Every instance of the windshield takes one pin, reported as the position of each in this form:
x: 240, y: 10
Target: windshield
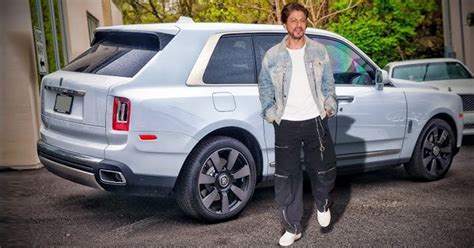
x: 431, y: 72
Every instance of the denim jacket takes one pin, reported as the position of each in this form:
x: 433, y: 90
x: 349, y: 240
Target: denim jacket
x: 275, y: 76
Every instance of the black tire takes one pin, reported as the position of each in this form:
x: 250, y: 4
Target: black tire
x: 210, y: 188
x: 434, y: 152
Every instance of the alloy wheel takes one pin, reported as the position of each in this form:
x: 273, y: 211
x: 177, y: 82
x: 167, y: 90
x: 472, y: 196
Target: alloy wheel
x: 224, y: 181
x: 437, y: 151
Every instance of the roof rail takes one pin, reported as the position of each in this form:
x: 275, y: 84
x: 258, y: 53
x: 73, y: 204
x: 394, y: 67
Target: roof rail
x: 185, y: 19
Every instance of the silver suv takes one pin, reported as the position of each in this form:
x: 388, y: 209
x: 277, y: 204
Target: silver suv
x: 162, y: 108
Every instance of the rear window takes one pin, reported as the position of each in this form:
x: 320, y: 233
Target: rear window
x: 120, y: 54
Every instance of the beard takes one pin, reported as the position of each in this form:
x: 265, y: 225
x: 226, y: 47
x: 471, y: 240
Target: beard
x: 296, y: 33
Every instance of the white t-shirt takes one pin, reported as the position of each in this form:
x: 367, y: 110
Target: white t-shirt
x: 300, y: 105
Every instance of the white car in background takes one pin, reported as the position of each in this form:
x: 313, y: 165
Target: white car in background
x: 446, y: 74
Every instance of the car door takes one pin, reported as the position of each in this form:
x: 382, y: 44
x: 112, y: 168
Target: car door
x: 370, y: 123
x: 263, y: 42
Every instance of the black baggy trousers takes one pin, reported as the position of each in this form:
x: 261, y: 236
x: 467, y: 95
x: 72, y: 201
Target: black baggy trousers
x: 320, y: 165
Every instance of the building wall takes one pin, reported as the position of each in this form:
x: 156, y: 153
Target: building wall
x: 19, y: 98
x: 76, y: 24
x: 461, y: 35
x: 468, y: 7
x: 19, y: 89
x: 117, y: 18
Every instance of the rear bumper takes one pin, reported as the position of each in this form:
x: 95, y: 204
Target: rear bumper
x: 93, y: 172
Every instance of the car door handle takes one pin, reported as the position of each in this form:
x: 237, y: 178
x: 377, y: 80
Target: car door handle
x: 345, y: 98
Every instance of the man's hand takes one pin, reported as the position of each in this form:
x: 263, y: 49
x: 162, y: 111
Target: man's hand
x: 330, y: 112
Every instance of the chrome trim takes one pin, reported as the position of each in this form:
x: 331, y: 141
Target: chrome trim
x: 75, y: 175
x: 65, y: 90
x: 468, y: 131
x: 197, y: 73
x: 368, y: 154
x: 358, y: 155
x: 122, y: 178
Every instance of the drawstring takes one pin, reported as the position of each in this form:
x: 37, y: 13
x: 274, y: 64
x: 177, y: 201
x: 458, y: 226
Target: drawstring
x: 283, y: 84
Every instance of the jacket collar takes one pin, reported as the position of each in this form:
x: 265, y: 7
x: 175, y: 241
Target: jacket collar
x: 310, y: 49
x: 282, y: 45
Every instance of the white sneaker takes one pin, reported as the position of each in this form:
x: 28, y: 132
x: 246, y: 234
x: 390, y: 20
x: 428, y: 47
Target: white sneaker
x: 324, y: 218
x: 289, y: 238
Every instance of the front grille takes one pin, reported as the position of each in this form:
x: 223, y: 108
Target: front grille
x: 469, y: 126
x: 467, y: 102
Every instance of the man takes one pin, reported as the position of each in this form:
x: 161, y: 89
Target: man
x: 296, y: 87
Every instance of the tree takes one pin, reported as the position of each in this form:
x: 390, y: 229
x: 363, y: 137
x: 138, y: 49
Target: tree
x: 388, y: 30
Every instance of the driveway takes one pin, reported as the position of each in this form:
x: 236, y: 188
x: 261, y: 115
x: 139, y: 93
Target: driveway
x: 381, y: 208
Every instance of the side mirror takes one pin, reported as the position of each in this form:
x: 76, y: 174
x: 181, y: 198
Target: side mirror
x: 381, y: 78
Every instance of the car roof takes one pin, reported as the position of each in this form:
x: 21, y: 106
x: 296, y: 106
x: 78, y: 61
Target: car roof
x: 174, y: 28
x: 421, y: 61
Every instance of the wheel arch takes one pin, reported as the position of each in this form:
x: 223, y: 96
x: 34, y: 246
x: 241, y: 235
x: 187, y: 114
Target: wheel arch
x: 241, y: 135
x: 448, y: 119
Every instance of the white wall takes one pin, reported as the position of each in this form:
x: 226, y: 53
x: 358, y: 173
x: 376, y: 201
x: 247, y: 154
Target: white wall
x: 76, y: 23
x: 117, y: 18
x: 19, y: 91
x: 461, y: 32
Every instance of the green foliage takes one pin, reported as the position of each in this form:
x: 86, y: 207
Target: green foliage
x: 386, y: 30
x: 48, y: 31
x: 389, y: 30
x: 217, y: 11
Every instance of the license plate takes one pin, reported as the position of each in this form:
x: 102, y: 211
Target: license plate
x: 63, y: 104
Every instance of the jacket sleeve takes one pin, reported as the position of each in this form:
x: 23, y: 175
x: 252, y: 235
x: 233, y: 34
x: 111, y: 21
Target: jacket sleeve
x: 330, y: 102
x: 266, y: 92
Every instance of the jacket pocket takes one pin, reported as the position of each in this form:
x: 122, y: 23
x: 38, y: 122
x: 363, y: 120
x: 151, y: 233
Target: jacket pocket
x: 317, y: 69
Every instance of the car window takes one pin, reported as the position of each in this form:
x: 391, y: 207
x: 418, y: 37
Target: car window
x: 436, y: 71
x: 410, y: 72
x: 232, y: 62
x: 262, y: 43
x: 118, y: 53
x: 347, y: 65
x: 431, y: 72
x: 457, y: 71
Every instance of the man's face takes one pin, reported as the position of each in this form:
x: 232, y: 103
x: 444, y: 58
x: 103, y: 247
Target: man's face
x: 296, y: 24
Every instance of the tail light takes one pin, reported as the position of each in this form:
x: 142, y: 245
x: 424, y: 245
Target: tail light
x: 121, y: 114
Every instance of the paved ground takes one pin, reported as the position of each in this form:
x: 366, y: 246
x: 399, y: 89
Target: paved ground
x: 377, y: 209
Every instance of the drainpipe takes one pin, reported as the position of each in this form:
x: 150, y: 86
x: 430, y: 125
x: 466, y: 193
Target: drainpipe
x: 448, y: 38
x: 462, y: 32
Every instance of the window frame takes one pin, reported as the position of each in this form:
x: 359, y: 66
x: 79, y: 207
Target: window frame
x: 195, y: 77
x: 92, y: 21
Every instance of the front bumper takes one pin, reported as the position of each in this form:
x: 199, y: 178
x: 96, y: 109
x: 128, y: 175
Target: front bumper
x: 468, y: 123
x: 93, y: 172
